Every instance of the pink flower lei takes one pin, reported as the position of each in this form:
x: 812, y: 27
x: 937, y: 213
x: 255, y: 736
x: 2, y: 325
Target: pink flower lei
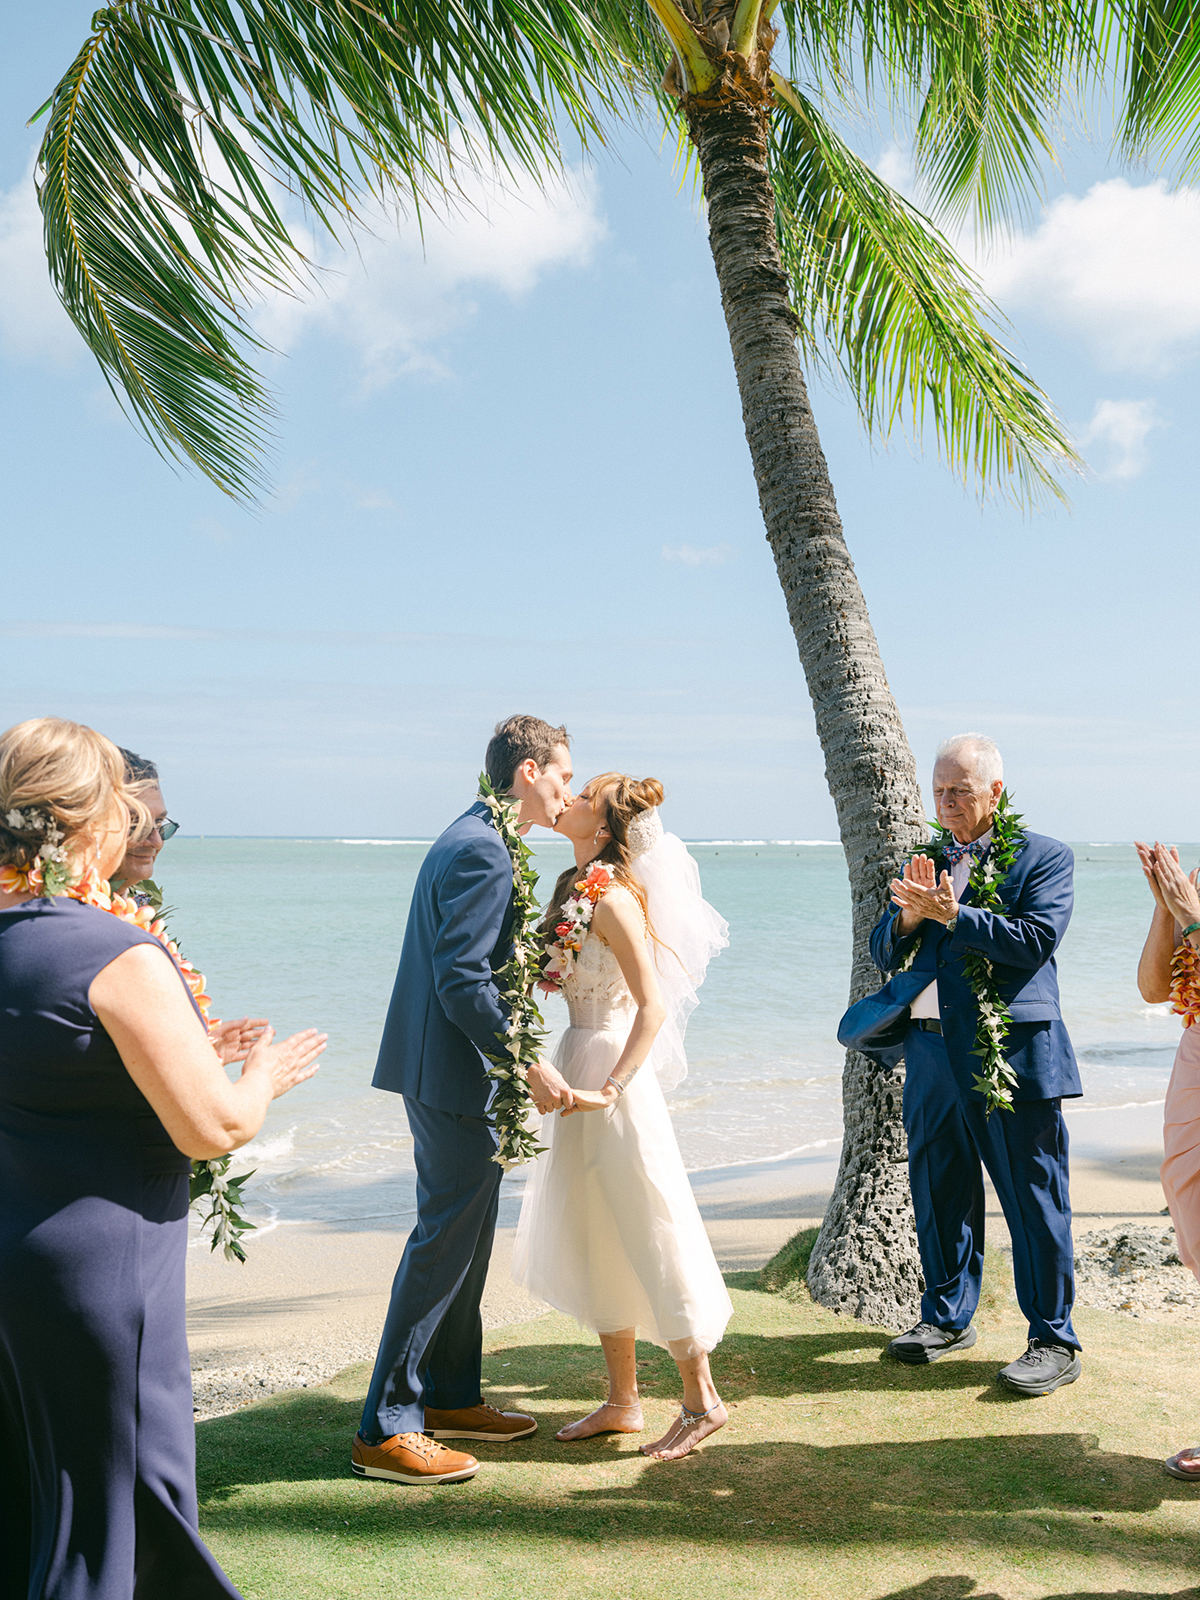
x: 573, y: 923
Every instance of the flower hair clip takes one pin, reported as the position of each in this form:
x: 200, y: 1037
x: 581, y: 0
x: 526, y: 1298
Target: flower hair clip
x: 34, y: 820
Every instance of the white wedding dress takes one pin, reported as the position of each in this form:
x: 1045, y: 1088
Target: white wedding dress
x: 609, y: 1230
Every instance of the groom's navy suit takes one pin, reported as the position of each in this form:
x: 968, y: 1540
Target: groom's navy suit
x: 1024, y: 1150
x: 445, y: 1013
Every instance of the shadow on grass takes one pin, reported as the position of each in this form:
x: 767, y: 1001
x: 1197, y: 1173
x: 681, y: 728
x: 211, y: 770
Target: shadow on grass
x: 835, y: 1360
x: 304, y: 1438
x: 1022, y: 1494
x: 961, y: 1587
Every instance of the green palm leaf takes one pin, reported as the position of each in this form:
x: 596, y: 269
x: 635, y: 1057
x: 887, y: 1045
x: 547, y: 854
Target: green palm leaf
x: 1160, y: 69
x: 180, y: 126
x: 881, y: 295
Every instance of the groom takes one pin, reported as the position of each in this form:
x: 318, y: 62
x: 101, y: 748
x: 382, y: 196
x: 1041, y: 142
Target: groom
x: 949, y: 1133
x: 444, y: 1016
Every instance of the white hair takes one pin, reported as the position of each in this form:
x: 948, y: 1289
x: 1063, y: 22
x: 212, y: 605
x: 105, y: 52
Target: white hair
x: 979, y: 754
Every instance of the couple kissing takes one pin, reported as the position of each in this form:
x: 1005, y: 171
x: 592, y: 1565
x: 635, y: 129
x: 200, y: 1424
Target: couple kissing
x: 609, y: 1232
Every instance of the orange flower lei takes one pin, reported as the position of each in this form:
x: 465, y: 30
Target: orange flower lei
x: 92, y: 890
x: 574, y: 920
x: 1185, y: 983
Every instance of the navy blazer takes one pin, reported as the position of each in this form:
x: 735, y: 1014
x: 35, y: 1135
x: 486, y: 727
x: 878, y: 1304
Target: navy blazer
x: 446, y: 1009
x: 1037, y: 895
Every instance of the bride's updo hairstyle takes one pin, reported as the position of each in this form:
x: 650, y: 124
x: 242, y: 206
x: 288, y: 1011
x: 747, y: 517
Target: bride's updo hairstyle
x: 619, y: 800
x: 60, y: 774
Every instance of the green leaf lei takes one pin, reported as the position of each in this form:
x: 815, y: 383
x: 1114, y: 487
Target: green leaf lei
x: 996, y: 1078
x: 521, y: 1045
x: 210, y: 1180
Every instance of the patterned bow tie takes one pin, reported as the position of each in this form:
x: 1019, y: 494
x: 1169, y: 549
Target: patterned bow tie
x: 952, y: 854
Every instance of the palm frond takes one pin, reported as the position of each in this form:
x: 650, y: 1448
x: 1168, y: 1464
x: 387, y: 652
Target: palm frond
x: 883, y: 298
x: 981, y: 79
x: 181, y: 125
x: 1157, y: 47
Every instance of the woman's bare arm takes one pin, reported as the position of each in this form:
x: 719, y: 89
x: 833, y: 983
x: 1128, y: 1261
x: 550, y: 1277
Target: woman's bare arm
x: 1154, y: 964
x: 619, y: 922
x: 145, y: 1009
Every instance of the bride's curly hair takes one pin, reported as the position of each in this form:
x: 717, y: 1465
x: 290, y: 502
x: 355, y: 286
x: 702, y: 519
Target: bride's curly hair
x: 623, y: 799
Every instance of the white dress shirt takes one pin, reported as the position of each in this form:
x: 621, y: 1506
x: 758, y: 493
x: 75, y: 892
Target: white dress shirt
x: 926, y: 1003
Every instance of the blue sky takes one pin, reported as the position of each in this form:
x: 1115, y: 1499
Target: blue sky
x: 511, y: 474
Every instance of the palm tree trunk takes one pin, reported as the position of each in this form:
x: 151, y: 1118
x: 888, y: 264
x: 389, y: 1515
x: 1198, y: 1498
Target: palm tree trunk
x: 865, y: 1262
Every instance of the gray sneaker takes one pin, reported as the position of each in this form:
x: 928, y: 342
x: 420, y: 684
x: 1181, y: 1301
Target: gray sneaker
x: 926, y: 1343
x: 1042, y: 1369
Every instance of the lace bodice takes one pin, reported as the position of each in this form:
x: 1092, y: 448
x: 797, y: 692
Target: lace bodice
x: 596, y: 993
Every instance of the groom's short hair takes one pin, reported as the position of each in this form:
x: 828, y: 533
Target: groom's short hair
x: 518, y: 739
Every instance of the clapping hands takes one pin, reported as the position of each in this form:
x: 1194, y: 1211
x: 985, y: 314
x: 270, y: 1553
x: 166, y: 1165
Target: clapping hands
x: 1174, y: 890
x: 233, y: 1041
x: 919, y: 894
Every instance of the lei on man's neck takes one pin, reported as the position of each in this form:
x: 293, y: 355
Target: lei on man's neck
x: 52, y: 875
x: 520, y: 1045
x: 995, y: 1079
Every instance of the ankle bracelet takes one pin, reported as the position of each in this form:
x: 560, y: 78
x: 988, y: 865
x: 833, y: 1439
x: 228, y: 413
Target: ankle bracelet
x: 697, y: 1416
x: 629, y: 1405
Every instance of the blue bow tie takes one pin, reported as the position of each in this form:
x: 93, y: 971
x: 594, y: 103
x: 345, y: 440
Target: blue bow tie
x: 952, y: 854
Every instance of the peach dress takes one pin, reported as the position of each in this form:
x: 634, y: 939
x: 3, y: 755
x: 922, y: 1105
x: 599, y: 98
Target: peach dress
x: 1181, y: 1116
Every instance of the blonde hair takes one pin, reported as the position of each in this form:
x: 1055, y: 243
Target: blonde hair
x: 61, y: 773
x: 623, y: 799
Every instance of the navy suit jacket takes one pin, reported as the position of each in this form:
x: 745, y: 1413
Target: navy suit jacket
x: 446, y: 1009
x: 1037, y: 895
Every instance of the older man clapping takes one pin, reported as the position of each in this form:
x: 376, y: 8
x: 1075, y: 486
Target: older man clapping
x: 946, y: 1117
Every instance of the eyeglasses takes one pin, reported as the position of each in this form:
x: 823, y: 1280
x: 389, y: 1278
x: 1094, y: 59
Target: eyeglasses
x: 166, y: 829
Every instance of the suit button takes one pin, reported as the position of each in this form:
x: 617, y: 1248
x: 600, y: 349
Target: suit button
x: 941, y: 963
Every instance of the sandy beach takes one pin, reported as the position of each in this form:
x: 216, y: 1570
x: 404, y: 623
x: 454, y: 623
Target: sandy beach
x: 312, y: 1297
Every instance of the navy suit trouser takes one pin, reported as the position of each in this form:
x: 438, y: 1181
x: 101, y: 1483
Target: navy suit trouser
x: 1025, y: 1153
x: 431, y: 1351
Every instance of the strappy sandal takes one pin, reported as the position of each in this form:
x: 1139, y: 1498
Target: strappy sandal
x: 1171, y: 1464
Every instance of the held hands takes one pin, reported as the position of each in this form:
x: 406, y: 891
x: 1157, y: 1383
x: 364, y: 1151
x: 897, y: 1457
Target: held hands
x: 1174, y: 890
x: 286, y: 1064
x: 550, y: 1090
x: 919, y: 895
x: 593, y: 1099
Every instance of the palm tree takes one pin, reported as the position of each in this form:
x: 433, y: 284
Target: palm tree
x: 173, y: 131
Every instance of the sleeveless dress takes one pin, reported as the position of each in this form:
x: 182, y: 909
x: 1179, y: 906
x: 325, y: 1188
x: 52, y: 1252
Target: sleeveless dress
x: 97, y: 1442
x: 609, y: 1231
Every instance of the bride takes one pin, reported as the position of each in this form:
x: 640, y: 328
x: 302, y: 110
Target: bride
x: 609, y: 1230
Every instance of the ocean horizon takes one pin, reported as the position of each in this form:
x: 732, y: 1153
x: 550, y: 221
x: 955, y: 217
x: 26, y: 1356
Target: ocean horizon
x: 307, y: 931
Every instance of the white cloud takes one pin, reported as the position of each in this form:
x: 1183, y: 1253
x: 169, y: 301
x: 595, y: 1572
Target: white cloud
x: 1120, y: 428
x: 894, y: 166
x: 689, y: 556
x: 33, y: 325
x: 403, y: 289
x: 1120, y: 267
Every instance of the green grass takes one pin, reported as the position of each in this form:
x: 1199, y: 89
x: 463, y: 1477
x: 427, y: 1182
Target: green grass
x: 840, y: 1474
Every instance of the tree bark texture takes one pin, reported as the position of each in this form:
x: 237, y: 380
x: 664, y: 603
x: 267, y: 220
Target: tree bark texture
x: 865, y: 1261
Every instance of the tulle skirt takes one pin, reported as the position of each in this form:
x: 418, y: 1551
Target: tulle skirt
x: 1181, y: 1148
x: 609, y: 1230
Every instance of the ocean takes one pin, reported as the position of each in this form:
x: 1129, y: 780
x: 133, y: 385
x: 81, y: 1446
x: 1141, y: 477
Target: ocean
x: 307, y: 932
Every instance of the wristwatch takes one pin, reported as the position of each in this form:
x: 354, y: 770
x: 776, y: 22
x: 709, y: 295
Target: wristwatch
x: 952, y: 924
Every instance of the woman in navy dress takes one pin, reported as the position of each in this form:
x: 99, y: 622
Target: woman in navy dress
x: 108, y: 1085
